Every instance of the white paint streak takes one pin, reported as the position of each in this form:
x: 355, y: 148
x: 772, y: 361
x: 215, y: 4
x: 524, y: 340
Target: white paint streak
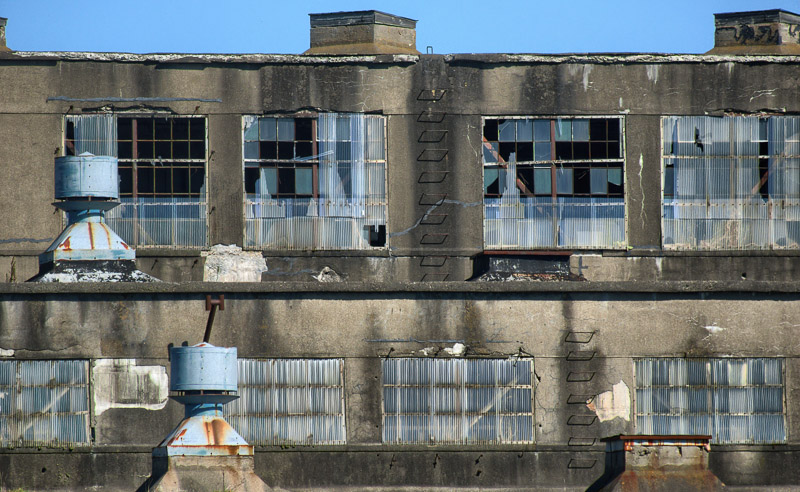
x: 652, y: 73
x: 612, y: 404
x: 120, y: 383
x: 714, y: 328
x: 642, y: 211
x: 587, y: 69
x: 6, y: 352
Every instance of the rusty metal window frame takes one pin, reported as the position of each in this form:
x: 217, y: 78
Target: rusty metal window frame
x: 153, y: 216
x: 554, y: 182
x: 45, y: 403
x: 730, y: 182
x: 289, y: 402
x: 463, y: 401
x: 735, y: 400
x: 280, y: 215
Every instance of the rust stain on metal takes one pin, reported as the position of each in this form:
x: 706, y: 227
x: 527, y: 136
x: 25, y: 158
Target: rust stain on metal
x: 108, y: 235
x: 91, y: 235
x: 177, y: 437
x: 65, y: 245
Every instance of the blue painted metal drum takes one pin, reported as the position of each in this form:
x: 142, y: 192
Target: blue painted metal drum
x: 203, y: 367
x: 86, y: 176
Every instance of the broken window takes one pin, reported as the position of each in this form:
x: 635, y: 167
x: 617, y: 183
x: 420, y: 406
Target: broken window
x: 162, y: 173
x: 315, y: 182
x: 457, y: 401
x: 44, y: 403
x: 553, y: 183
x: 731, y: 182
x: 289, y: 401
x: 736, y: 401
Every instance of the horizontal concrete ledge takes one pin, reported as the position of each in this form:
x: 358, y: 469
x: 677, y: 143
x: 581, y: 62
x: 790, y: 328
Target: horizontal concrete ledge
x: 667, y: 287
x: 657, y: 253
x: 207, y: 58
x: 485, y: 58
x: 403, y: 448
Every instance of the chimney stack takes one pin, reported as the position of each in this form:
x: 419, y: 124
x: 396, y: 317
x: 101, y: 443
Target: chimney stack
x: 3, y: 22
x: 365, y: 32
x: 762, y: 32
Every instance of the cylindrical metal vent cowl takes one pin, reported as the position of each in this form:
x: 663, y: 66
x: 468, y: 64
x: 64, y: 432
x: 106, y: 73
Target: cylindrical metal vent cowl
x: 203, y: 367
x: 86, y: 176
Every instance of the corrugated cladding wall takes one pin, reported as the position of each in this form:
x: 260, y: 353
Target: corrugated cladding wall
x: 289, y: 401
x: 44, y: 403
x: 457, y: 401
x: 736, y: 401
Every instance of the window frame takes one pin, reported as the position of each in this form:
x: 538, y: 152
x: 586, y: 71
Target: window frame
x: 17, y: 388
x: 272, y: 390
x: 736, y: 160
x: 314, y: 163
x: 556, y: 165
x: 711, y: 388
x: 136, y: 199
x: 463, y: 412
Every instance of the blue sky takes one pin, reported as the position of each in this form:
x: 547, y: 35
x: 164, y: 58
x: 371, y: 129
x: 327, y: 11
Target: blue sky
x: 468, y: 26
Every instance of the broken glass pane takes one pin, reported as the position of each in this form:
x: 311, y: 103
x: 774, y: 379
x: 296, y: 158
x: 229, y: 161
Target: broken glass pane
x: 507, y: 130
x: 525, y: 130
x: 563, y: 130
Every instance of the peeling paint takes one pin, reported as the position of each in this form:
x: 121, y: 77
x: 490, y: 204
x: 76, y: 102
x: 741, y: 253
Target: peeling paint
x: 231, y: 264
x: 457, y: 350
x: 120, y: 383
x: 612, y: 404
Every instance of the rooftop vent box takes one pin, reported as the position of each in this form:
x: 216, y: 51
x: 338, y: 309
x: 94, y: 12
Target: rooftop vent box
x: 761, y: 32
x: 364, y: 32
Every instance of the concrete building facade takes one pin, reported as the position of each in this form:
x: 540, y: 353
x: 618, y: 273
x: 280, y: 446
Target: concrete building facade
x: 398, y: 217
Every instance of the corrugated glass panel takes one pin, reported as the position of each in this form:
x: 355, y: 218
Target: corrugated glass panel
x: 289, y: 401
x: 44, y: 403
x: 733, y: 400
x: 731, y: 182
x: 457, y: 401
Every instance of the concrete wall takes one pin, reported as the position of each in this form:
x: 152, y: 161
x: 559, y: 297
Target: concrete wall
x: 434, y: 105
x: 125, y: 331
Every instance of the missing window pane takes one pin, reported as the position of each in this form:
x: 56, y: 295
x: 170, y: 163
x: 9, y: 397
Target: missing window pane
x: 490, y: 132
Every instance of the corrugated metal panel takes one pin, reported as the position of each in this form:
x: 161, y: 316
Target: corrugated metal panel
x: 44, y: 403
x: 457, y: 401
x: 176, y: 222
x: 352, y: 191
x: 737, y: 401
x: 289, y: 401
x: 715, y: 172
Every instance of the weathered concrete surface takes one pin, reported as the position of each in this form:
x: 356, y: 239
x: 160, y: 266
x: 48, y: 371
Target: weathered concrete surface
x: 433, y: 104
x: 204, y: 473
